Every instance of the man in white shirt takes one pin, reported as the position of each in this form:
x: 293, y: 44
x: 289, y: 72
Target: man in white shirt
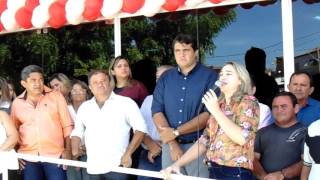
x: 311, y: 156
x: 105, y: 122
x: 150, y: 158
x: 265, y: 112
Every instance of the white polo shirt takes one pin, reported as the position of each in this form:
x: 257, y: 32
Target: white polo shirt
x: 73, y: 115
x: 265, y: 116
x: 8, y: 160
x: 107, y: 130
x: 313, y: 130
x: 145, y: 110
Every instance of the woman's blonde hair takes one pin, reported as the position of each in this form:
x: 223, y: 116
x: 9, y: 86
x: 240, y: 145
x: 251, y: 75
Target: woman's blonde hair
x: 62, y: 78
x: 4, y: 90
x: 113, y: 63
x: 65, y: 81
x: 245, y: 85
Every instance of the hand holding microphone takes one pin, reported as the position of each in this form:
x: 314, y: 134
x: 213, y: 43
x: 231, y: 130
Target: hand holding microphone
x: 216, y: 86
x: 210, y: 99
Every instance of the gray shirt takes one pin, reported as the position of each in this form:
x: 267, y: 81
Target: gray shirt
x: 280, y: 147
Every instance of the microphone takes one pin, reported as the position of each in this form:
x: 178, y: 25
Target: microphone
x: 215, y: 87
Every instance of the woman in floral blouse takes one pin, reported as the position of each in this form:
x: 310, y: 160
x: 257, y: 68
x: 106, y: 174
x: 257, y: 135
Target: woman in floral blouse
x: 229, y: 136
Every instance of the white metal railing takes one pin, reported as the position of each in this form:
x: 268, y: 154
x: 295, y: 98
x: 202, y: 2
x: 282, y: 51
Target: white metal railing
x: 132, y: 171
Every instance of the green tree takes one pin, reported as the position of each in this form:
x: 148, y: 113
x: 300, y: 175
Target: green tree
x: 153, y: 37
x: 74, y: 50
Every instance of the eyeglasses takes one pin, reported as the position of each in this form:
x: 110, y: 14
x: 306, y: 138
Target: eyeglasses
x: 78, y: 92
x: 55, y: 85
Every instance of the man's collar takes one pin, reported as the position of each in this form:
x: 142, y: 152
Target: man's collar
x: 191, y: 71
x: 311, y: 101
x: 111, y: 97
x: 24, y: 94
x: 307, y: 102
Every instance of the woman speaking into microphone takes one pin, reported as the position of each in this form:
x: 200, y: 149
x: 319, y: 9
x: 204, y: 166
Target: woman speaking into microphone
x: 228, y: 139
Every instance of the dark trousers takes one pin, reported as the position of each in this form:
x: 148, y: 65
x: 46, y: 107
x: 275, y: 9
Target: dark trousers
x: 109, y: 176
x: 145, y: 164
x: 135, y: 157
x: 229, y: 173
x: 15, y: 175
x: 42, y: 171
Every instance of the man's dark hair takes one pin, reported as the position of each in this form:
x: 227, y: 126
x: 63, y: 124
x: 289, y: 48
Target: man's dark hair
x: 253, y: 80
x: 185, y: 39
x: 255, y: 60
x: 26, y: 71
x: 97, y: 71
x: 292, y: 97
x: 302, y: 73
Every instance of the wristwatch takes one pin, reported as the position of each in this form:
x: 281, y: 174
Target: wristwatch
x: 176, y: 132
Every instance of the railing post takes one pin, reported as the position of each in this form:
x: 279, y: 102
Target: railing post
x: 117, y: 37
x: 287, y: 36
x: 5, y: 175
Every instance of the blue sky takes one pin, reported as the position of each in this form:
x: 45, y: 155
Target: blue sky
x: 261, y: 27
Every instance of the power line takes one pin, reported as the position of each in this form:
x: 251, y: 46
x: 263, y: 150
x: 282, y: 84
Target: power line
x: 266, y: 47
x: 296, y: 39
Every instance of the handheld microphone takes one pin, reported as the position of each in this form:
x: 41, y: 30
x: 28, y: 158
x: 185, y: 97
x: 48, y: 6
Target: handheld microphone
x: 216, y: 85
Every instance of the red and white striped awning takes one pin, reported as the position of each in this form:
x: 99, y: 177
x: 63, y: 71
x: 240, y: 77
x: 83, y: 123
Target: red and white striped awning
x: 19, y: 15
x: 16, y: 15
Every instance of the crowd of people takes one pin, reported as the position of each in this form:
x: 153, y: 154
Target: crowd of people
x: 232, y: 124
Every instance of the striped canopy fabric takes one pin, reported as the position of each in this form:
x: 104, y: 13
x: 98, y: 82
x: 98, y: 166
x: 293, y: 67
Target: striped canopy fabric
x: 16, y: 15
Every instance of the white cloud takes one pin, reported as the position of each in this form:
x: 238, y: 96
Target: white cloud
x: 317, y: 18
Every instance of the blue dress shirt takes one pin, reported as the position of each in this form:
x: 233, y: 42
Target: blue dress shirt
x: 178, y: 96
x: 310, y: 112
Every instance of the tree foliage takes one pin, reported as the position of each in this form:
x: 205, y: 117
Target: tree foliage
x: 74, y: 50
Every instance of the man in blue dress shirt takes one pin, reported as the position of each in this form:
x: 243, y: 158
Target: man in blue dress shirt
x: 176, y: 100
x: 301, y: 85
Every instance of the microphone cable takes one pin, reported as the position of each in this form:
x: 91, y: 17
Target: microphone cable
x: 200, y: 106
